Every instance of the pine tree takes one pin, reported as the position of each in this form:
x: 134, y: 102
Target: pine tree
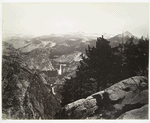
x: 93, y: 74
x: 142, y: 59
x: 136, y: 57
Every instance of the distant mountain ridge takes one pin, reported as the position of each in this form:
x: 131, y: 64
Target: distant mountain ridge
x: 124, y: 34
x: 23, y: 42
x: 122, y: 38
x: 40, y: 52
x: 37, y: 44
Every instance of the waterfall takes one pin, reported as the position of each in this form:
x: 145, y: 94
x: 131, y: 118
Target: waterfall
x: 60, y: 70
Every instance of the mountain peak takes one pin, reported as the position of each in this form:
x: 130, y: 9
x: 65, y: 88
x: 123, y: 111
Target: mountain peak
x: 124, y: 34
x: 127, y: 33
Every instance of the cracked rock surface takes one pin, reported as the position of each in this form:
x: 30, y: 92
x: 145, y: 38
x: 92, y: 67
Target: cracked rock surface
x: 127, y: 99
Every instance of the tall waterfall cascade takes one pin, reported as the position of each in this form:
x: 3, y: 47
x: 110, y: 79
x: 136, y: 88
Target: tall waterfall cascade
x: 60, y: 69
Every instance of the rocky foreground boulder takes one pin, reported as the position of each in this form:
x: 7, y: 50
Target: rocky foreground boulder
x: 127, y: 99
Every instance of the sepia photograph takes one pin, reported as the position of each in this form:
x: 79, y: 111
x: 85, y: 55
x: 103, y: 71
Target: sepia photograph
x: 75, y: 60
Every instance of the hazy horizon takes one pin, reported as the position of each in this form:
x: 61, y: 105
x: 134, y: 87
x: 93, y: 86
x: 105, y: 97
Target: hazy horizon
x: 47, y: 18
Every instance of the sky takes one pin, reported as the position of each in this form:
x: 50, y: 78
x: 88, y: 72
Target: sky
x: 47, y: 18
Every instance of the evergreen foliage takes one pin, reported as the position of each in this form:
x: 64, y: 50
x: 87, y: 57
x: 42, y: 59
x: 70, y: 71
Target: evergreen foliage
x: 103, y: 66
x: 136, y: 57
x: 93, y: 74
